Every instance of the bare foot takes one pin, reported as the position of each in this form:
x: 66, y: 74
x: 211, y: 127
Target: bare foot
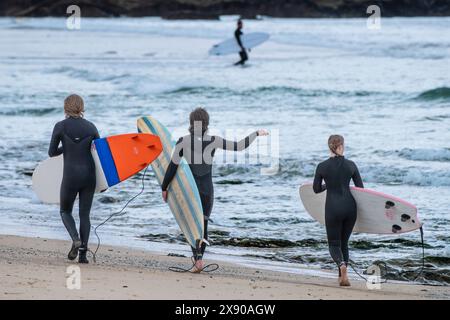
x: 198, y: 267
x: 343, y: 279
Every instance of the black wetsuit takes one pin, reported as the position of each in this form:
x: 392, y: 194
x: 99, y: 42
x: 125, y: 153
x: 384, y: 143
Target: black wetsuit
x: 243, y: 52
x: 192, y: 148
x: 76, y: 136
x: 340, y: 206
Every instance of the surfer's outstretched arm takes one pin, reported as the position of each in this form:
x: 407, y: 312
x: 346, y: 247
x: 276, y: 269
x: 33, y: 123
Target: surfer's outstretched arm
x: 173, y: 165
x: 356, y: 177
x: 54, y: 149
x: 317, y: 184
x: 241, y: 144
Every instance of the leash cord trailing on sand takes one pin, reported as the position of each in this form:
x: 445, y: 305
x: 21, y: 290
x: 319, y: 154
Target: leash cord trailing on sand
x: 361, y: 276
x: 211, y: 266
x: 418, y: 274
x: 117, y: 214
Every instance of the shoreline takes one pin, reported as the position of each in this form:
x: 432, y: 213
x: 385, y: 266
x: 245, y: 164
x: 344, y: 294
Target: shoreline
x: 36, y: 268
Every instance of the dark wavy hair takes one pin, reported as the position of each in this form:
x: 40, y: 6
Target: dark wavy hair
x: 199, y: 115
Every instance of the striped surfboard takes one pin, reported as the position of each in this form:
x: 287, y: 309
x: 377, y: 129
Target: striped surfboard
x: 183, y: 196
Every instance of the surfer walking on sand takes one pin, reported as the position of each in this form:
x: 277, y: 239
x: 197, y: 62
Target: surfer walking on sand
x: 340, y: 206
x: 243, y: 53
x: 76, y: 135
x: 198, y: 148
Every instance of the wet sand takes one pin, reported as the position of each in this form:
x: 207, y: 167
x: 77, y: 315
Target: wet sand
x: 36, y: 268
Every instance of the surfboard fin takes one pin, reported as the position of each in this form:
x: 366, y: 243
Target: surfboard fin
x: 199, y: 242
x: 205, y: 241
x: 389, y: 204
x: 405, y: 217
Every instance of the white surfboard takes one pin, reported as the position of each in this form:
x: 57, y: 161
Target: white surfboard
x: 48, y: 175
x: 249, y: 41
x: 377, y: 212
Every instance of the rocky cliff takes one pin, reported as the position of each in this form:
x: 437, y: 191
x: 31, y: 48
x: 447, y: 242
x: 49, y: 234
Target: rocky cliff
x: 212, y: 9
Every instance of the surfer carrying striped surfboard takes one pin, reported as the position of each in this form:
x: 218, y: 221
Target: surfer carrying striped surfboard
x: 192, y: 148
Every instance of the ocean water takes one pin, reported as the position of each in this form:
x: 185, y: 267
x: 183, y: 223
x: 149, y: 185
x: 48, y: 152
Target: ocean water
x: 387, y: 91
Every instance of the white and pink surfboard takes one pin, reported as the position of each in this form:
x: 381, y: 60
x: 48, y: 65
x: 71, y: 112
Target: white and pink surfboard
x: 377, y: 212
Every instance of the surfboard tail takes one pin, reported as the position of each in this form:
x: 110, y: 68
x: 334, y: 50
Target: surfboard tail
x: 122, y: 156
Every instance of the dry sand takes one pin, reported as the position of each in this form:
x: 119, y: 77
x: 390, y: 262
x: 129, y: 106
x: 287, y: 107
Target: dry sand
x: 36, y: 268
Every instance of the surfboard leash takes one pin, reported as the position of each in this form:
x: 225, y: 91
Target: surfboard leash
x: 117, y: 214
x: 211, y: 267
x: 351, y: 263
x: 422, y: 268
x: 423, y: 254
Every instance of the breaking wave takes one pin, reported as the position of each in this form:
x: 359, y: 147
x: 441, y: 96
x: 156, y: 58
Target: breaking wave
x: 425, y: 154
x: 442, y: 93
x: 29, y: 112
x: 202, y: 90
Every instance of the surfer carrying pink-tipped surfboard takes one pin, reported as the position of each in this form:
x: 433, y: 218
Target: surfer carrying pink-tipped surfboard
x: 344, y: 209
x: 340, y: 207
x: 192, y: 148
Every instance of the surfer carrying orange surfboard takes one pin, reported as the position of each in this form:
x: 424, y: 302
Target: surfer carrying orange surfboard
x: 88, y: 165
x: 76, y: 135
x: 192, y: 148
x: 340, y: 206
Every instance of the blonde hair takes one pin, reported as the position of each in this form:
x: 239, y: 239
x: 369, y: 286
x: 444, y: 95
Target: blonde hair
x: 334, y: 142
x: 74, y: 106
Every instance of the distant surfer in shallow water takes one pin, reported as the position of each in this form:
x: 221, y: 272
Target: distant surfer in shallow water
x: 340, y: 206
x: 76, y: 135
x: 198, y: 148
x: 237, y: 34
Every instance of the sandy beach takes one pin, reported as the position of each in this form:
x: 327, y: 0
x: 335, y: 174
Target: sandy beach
x: 37, y: 268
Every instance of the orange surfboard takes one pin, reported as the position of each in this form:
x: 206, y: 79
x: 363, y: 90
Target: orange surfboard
x: 124, y: 155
